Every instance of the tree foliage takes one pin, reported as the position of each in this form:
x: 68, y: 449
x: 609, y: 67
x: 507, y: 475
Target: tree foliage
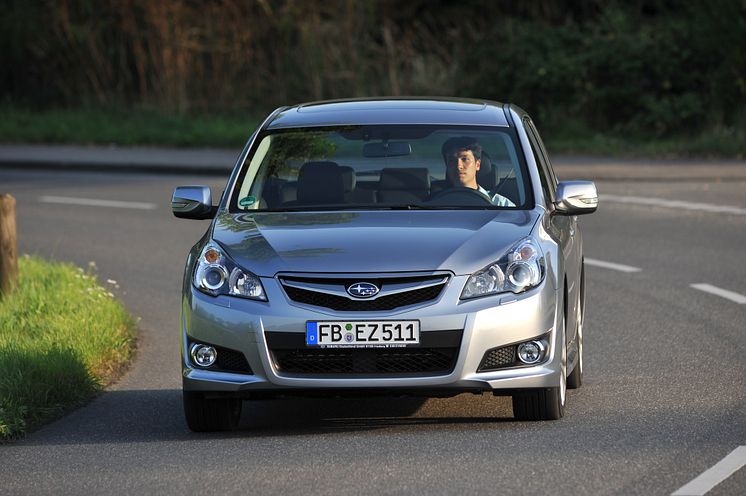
x: 660, y: 66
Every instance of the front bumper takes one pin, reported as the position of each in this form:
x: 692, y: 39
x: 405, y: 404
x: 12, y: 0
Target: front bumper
x: 487, y: 323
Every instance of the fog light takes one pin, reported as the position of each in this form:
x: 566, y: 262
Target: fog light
x: 203, y: 355
x: 531, y: 352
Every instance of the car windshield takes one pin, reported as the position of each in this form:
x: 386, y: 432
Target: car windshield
x: 383, y: 167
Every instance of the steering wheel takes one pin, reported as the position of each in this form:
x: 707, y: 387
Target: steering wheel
x: 460, y: 196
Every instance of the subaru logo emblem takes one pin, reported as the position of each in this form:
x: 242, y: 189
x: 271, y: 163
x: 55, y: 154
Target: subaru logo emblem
x: 363, y: 290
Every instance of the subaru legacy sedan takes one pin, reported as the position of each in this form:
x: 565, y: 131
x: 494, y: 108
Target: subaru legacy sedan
x: 385, y: 247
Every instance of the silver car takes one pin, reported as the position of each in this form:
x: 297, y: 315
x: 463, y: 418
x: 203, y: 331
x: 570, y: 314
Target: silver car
x: 392, y: 246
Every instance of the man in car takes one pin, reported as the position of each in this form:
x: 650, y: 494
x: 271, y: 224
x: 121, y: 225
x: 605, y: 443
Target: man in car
x: 463, y: 158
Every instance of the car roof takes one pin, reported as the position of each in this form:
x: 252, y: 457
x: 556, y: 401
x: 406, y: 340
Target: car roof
x: 372, y: 111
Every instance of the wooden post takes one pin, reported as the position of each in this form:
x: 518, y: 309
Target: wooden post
x: 8, y: 245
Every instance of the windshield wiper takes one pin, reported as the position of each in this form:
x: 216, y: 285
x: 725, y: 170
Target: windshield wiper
x: 409, y: 206
x: 317, y: 208
x: 419, y: 206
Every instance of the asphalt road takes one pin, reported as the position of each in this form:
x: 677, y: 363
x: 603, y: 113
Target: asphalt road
x: 663, y: 399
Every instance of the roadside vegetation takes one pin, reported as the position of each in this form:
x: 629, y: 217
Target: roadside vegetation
x: 85, y: 126
x: 607, y: 76
x: 157, y: 128
x: 63, y: 337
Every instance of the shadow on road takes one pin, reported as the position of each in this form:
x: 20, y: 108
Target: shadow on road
x: 156, y: 415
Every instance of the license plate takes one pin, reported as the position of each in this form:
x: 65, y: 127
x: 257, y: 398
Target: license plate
x: 363, y: 334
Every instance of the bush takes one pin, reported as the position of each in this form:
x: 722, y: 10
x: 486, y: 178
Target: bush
x: 645, y: 69
x: 637, y: 72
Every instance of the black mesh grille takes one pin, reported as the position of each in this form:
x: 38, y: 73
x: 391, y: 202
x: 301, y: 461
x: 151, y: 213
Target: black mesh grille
x: 498, y: 358
x: 232, y: 361
x: 365, y: 361
x: 345, y: 304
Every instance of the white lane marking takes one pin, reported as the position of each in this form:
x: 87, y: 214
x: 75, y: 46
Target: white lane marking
x: 714, y: 475
x: 723, y: 293
x: 90, y: 202
x: 612, y: 266
x: 686, y: 205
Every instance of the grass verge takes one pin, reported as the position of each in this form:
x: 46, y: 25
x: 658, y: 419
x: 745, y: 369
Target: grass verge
x: 63, y: 337
x: 715, y: 143
x: 123, y: 127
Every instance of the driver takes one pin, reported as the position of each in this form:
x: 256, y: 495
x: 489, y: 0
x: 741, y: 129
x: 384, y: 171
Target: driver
x: 463, y: 157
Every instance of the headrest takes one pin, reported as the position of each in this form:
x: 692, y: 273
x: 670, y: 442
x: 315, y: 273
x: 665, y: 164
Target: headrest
x: 320, y: 182
x: 487, y: 173
x: 411, y: 179
x: 349, y: 180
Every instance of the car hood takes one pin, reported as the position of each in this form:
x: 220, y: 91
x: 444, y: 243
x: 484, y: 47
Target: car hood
x: 461, y: 241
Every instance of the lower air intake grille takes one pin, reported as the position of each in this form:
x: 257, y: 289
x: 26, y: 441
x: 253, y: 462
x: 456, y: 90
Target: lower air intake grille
x: 498, y: 358
x: 366, y: 361
x: 436, y: 355
x: 232, y: 361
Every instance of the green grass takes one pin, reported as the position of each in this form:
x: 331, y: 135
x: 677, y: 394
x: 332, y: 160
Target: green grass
x: 140, y: 126
x: 123, y: 127
x: 572, y: 136
x: 62, y: 338
x: 717, y: 143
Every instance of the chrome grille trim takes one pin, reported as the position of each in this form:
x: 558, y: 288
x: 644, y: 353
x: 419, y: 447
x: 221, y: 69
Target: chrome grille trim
x: 413, y: 288
x: 341, y: 289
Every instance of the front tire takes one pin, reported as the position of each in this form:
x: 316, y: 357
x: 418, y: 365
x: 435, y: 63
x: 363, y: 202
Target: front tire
x: 549, y: 403
x: 207, y: 415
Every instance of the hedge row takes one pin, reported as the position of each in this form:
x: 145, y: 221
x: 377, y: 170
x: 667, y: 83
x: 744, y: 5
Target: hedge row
x: 666, y: 67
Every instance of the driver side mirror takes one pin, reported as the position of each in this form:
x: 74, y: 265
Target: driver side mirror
x: 193, y: 202
x: 576, y: 198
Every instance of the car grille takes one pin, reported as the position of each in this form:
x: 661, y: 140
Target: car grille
x: 232, y: 361
x: 498, y: 358
x: 391, y: 361
x: 437, y: 356
x: 431, y: 289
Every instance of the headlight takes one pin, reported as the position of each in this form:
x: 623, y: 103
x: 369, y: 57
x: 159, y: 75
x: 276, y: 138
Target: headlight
x: 216, y: 274
x: 520, y: 269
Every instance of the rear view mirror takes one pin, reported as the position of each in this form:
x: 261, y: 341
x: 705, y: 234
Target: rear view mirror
x: 576, y: 198
x: 387, y: 149
x: 193, y: 202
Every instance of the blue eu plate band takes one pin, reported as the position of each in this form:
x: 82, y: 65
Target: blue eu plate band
x: 312, y: 333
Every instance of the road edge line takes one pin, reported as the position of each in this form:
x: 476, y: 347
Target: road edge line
x: 715, y: 474
x: 723, y: 293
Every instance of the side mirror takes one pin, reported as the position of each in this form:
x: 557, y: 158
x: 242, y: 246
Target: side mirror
x: 193, y: 202
x: 576, y: 198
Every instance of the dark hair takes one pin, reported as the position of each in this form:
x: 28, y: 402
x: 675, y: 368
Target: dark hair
x: 461, y: 143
